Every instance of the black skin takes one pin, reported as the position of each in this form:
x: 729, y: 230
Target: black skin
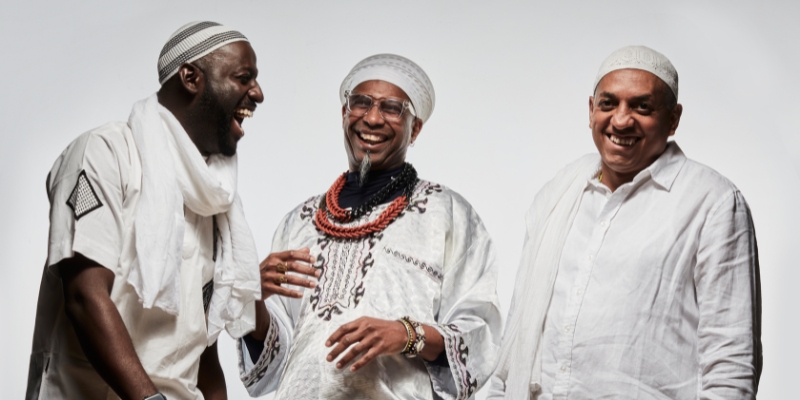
x: 366, y: 337
x: 202, y: 96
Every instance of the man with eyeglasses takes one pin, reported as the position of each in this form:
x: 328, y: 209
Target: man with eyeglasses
x: 639, y: 276
x: 404, y: 302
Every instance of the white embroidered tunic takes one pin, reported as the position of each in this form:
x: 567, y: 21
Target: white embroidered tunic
x: 657, y: 293
x: 434, y: 263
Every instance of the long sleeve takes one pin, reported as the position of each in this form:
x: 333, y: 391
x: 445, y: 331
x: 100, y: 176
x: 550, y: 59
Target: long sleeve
x: 468, y: 317
x: 729, y: 301
x: 263, y: 376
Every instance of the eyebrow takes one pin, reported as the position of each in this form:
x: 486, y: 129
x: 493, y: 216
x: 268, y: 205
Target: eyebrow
x: 641, y: 98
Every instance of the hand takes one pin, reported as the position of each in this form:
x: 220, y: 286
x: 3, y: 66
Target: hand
x: 371, y: 336
x: 293, y: 261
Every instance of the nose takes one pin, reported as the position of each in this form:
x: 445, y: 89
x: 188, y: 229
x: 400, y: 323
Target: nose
x: 622, y: 119
x: 373, y: 116
x: 255, y: 93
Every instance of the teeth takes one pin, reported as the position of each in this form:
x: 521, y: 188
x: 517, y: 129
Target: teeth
x: 371, y: 138
x: 621, y: 141
x: 244, y: 113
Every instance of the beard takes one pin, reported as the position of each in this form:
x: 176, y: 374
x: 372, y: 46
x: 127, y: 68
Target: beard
x: 363, y: 170
x: 212, y: 113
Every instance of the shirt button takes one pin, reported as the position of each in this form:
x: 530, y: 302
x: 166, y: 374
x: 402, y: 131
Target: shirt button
x: 589, y: 257
x: 564, y: 368
x: 603, y: 224
x: 578, y: 292
x: 568, y: 329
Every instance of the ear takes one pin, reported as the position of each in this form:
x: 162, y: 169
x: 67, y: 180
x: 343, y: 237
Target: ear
x: 192, y: 78
x: 591, y: 111
x: 416, y: 129
x: 675, y: 119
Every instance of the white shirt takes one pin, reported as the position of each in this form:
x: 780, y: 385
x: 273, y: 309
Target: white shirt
x: 435, y: 263
x: 656, y: 295
x: 104, y: 165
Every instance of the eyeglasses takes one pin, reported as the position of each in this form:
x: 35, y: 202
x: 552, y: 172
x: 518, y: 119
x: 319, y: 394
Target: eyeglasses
x: 391, y: 109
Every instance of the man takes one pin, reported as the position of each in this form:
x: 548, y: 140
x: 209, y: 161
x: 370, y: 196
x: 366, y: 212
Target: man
x: 404, y: 303
x: 639, y: 277
x: 149, y: 256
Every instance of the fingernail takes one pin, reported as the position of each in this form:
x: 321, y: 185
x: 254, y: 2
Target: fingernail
x: 328, y: 343
x: 329, y: 358
x: 317, y: 274
x: 339, y: 365
x: 352, y: 369
x: 313, y: 285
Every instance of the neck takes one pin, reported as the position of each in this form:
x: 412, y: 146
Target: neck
x: 180, y: 110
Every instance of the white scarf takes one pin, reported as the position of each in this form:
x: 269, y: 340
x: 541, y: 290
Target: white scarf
x: 207, y: 188
x: 548, y: 222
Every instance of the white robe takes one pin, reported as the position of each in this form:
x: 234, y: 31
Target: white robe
x: 434, y: 263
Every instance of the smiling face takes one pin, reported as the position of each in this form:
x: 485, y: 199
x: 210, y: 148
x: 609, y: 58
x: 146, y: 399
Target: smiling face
x: 631, y: 120
x: 228, y: 96
x: 387, y: 141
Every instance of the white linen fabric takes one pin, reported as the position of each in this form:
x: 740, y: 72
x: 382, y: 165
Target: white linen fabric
x: 435, y: 263
x: 398, y: 71
x: 168, y: 346
x: 207, y: 188
x: 191, y: 42
x: 657, y: 293
x: 643, y: 58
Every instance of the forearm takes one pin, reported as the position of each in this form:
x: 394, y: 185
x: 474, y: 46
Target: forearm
x: 108, y: 347
x: 210, y: 378
x: 262, y: 321
x: 434, y: 344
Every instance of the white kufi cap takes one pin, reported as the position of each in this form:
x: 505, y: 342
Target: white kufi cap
x: 643, y: 58
x: 398, y: 71
x: 192, y: 42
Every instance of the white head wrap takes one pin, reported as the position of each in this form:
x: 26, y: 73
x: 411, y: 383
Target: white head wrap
x: 398, y: 71
x: 643, y: 58
x: 191, y: 42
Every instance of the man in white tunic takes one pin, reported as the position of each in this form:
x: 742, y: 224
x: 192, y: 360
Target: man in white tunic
x: 149, y: 255
x: 639, y: 277
x: 405, y: 305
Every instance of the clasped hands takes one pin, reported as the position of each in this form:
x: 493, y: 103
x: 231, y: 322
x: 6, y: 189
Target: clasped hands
x: 366, y: 336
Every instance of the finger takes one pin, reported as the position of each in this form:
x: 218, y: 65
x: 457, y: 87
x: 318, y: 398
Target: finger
x: 363, y: 346
x: 298, y: 281
x: 343, y: 330
x: 303, y: 254
x: 269, y: 287
x: 346, y: 341
x: 303, y: 269
x: 369, y: 356
x: 282, y: 291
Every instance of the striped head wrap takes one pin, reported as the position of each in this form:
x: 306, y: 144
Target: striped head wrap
x: 398, y: 71
x: 191, y: 42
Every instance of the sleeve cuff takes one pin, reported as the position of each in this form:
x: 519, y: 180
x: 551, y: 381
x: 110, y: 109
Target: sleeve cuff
x: 252, y: 372
x: 449, y: 374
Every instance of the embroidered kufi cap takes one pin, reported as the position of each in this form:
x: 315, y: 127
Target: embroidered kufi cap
x: 191, y: 42
x: 398, y: 71
x: 643, y: 58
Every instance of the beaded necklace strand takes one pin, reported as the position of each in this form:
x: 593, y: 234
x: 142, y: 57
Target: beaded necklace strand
x: 407, y: 179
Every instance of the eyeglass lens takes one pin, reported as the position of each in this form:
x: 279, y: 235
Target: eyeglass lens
x: 360, y: 104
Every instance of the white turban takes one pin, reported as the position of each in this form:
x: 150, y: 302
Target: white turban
x: 191, y: 42
x: 643, y: 58
x: 398, y: 71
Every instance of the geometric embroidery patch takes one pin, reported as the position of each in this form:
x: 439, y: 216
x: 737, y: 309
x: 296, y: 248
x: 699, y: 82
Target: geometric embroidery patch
x: 83, y: 199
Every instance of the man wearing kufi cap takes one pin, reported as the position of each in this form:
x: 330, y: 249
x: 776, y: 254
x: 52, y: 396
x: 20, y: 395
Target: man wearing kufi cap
x: 639, y: 276
x: 149, y: 256
x: 401, y: 303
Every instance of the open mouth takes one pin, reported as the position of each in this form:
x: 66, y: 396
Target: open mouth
x: 622, y: 141
x: 239, y: 115
x: 369, y: 138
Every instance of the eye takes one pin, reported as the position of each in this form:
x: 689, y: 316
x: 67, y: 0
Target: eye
x: 644, y: 108
x: 605, y: 104
x: 392, y: 107
x: 244, y: 79
x: 359, y: 101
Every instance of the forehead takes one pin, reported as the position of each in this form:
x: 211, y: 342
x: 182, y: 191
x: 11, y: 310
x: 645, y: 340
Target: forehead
x: 630, y: 82
x: 235, y: 55
x: 380, y: 89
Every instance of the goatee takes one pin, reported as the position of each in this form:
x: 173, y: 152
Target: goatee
x: 363, y: 170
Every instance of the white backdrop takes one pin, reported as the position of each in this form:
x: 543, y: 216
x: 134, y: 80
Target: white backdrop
x: 512, y: 83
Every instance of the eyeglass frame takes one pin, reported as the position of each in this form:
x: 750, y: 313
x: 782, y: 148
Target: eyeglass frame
x: 407, y: 104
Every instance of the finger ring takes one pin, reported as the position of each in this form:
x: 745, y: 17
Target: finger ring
x: 281, y: 279
x: 282, y: 268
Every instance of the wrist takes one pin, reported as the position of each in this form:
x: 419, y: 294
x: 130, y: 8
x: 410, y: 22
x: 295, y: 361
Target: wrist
x: 416, y: 337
